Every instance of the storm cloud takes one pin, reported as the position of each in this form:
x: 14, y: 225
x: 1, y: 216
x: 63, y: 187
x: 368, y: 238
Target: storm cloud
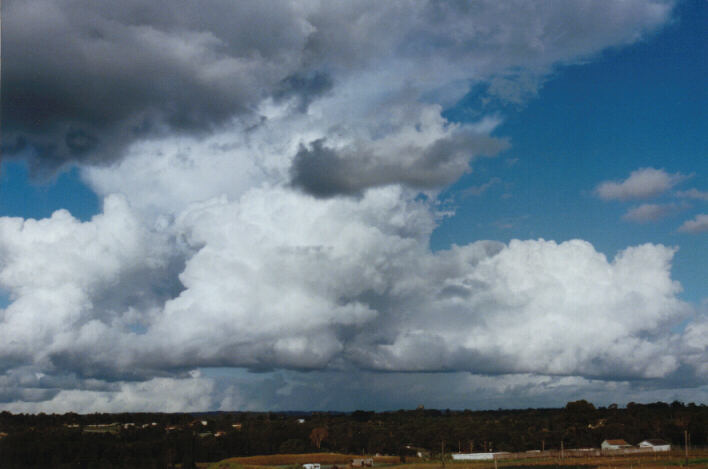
x: 261, y: 168
x: 82, y: 80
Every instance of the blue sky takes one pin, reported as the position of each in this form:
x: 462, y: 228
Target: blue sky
x: 639, y: 106
x: 418, y: 195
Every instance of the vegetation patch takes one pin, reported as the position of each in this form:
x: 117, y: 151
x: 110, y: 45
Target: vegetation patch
x: 549, y: 466
x: 297, y: 459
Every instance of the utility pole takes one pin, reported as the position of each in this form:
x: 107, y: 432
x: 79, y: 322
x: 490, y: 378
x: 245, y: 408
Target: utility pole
x: 561, y: 450
x: 689, y: 441
x: 442, y: 453
x: 685, y: 444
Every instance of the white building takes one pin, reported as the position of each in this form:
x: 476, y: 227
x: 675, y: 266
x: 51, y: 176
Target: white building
x: 615, y: 444
x: 656, y: 445
x: 315, y: 465
x: 475, y: 456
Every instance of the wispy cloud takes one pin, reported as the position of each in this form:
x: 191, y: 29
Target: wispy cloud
x: 650, y: 212
x: 693, y: 194
x: 482, y: 188
x: 643, y: 183
x: 699, y: 224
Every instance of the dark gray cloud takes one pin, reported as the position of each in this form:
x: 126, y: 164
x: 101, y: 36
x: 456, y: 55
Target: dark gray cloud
x: 325, y: 172
x: 82, y: 79
x: 304, y: 87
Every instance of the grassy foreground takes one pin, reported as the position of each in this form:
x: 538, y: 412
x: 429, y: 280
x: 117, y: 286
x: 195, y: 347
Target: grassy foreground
x: 672, y: 460
x: 256, y: 462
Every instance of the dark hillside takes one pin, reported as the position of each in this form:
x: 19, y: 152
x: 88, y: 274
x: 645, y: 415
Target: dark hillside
x: 159, y: 440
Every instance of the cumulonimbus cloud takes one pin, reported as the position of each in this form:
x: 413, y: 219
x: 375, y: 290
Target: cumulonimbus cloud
x: 222, y: 153
x: 280, y: 279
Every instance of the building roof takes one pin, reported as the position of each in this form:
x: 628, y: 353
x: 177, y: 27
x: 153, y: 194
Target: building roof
x: 617, y: 442
x: 656, y: 442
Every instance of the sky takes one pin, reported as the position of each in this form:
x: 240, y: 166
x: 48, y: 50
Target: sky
x: 321, y: 205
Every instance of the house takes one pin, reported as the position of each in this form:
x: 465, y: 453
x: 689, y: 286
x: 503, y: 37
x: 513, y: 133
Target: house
x: 300, y: 420
x: 656, y: 445
x: 363, y: 462
x: 2, y: 435
x: 311, y: 466
x: 236, y: 426
x: 219, y: 434
x: 614, y: 444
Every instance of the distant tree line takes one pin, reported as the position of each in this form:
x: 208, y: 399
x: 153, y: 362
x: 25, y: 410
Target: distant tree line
x: 60, y: 441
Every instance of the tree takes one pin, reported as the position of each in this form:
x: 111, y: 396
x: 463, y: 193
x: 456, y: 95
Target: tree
x: 293, y: 445
x: 317, y: 435
x: 580, y: 407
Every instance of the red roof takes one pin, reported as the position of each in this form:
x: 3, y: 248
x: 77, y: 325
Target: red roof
x: 618, y: 442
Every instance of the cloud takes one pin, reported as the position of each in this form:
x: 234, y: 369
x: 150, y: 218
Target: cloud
x: 263, y: 210
x: 155, y: 395
x: 649, y: 212
x: 520, y: 310
x: 110, y: 272
x: 693, y: 194
x: 699, y: 224
x: 82, y: 80
x: 482, y: 188
x: 279, y: 279
x: 696, y: 342
x: 385, y: 391
x: 643, y: 183
x: 325, y: 172
x: 286, y: 390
